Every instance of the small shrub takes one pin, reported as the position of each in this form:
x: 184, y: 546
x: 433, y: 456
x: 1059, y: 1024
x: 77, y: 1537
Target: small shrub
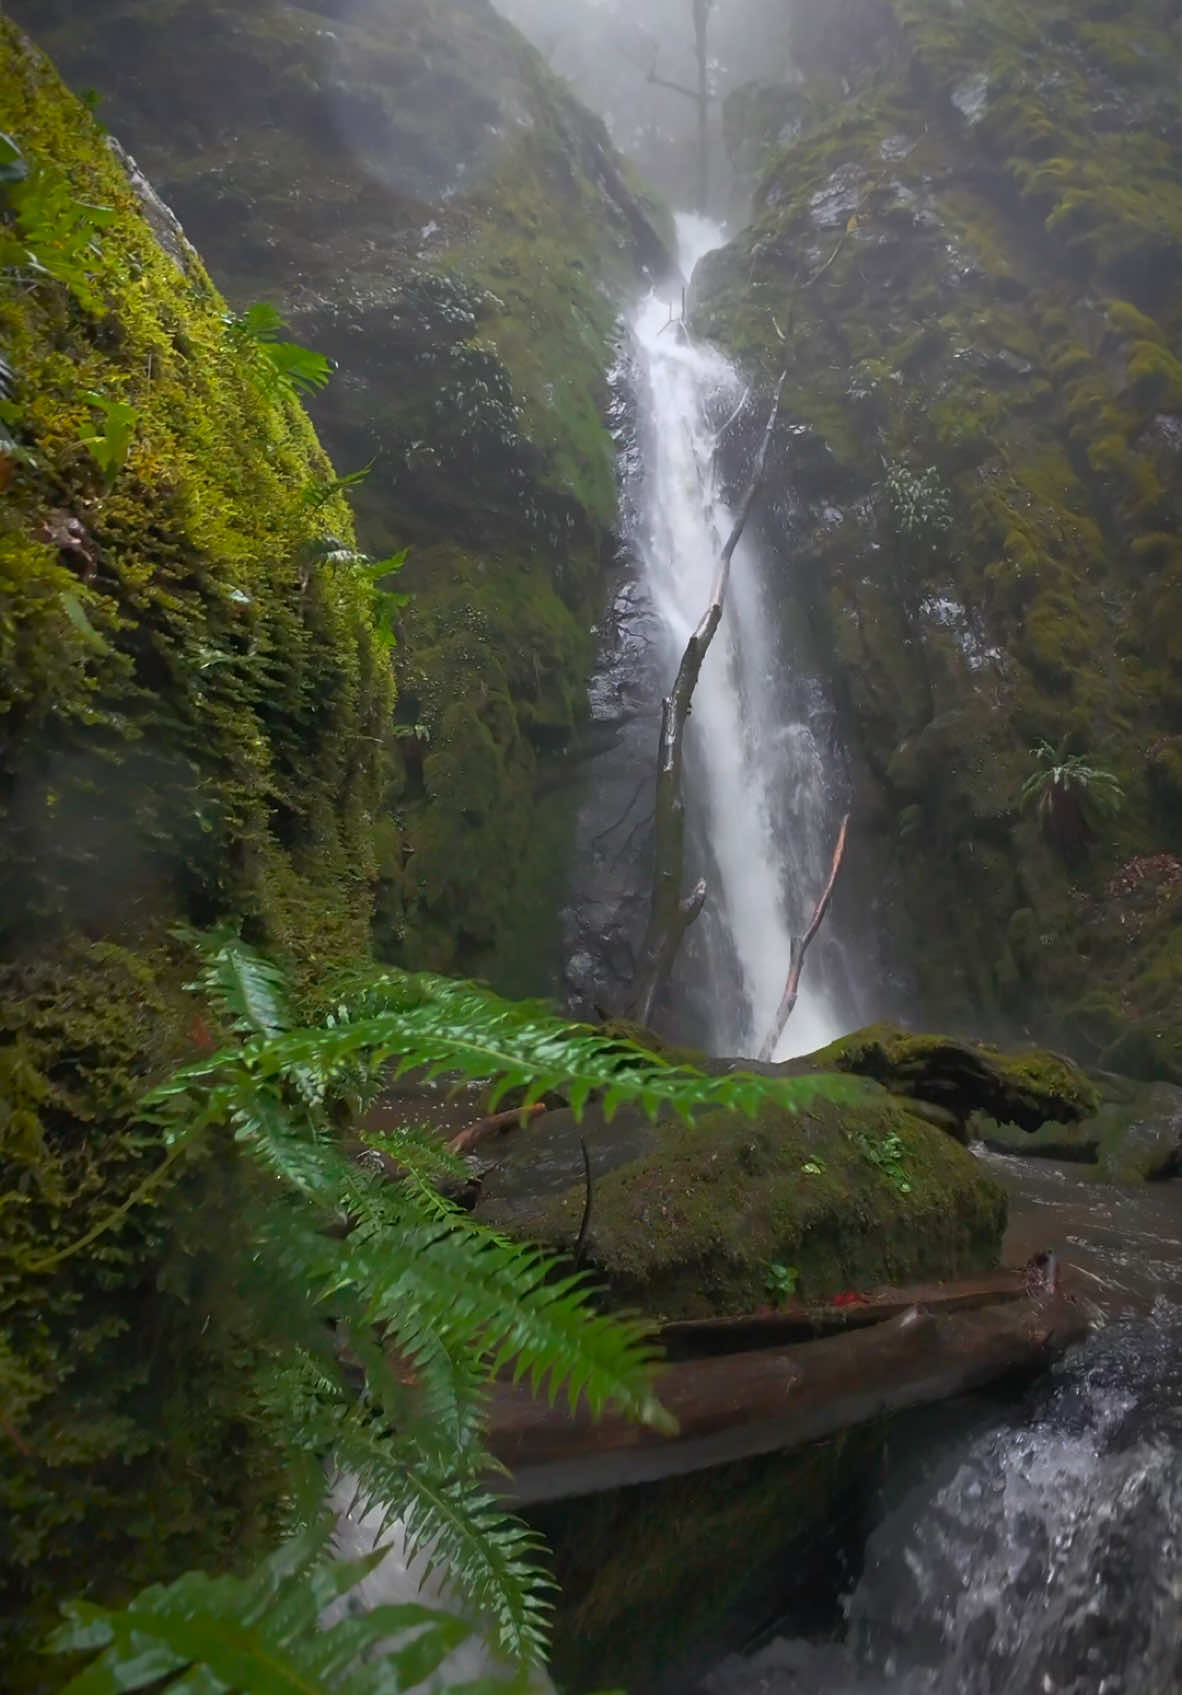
x: 1070, y: 797
x: 921, y: 505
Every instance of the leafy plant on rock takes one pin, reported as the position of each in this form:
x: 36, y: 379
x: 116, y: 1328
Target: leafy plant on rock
x: 45, y: 231
x: 111, y: 443
x: 1070, y: 797
x: 282, y: 365
x: 921, y: 506
x: 390, y: 1310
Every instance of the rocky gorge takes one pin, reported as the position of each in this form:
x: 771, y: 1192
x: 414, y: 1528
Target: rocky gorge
x: 218, y: 713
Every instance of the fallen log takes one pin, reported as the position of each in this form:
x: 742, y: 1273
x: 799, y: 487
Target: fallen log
x: 739, y: 1405
x: 794, y: 1321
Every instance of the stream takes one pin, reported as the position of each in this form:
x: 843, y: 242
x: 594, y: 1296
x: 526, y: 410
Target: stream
x: 1030, y: 1543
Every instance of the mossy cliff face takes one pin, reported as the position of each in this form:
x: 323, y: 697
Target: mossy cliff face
x: 970, y: 239
x: 430, y: 207
x: 193, y: 726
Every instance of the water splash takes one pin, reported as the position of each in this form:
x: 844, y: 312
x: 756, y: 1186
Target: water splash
x: 1044, y: 1556
x: 760, y: 821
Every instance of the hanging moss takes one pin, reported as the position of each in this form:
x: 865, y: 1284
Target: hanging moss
x: 195, y: 726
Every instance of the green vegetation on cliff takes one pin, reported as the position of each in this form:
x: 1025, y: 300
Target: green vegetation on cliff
x: 973, y: 250
x: 195, y: 722
x: 430, y: 206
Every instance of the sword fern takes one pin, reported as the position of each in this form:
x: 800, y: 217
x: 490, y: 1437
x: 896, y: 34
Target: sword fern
x: 389, y: 1312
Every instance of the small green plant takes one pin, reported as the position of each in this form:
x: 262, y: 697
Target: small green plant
x: 330, y: 550
x: 781, y: 1282
x: 921, y: 506
x: 1070, y: 797
x: 888, y: 1155
x: 45, y: 232
x: 282, y: 365
x: 317, y: 494
x: 813, y: 1167
x: 111, y: 445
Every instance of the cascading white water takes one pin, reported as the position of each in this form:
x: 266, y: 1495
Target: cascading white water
x: 756, y: 799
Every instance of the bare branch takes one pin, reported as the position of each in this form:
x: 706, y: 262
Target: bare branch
x: 670, y: 916
x: 800, y: 946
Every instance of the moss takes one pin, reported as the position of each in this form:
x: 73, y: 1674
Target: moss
x: 850, y: 1196
x: 195, y: 726
x: 435, y: 211
x: 1017, y: 336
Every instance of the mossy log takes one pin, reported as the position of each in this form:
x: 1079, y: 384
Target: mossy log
x: 774, y: 1399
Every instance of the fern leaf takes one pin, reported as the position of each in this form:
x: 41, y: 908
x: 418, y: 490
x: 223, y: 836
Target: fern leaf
x: 262, y: 1635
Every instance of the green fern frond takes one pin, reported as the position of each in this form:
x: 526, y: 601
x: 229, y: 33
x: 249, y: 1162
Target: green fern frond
x: 247, y: 988
x: 438, y: 1026
x: 262, y: 1635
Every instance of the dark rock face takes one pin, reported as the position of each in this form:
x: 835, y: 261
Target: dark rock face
x: 432, y: 209
x: 970, y: 240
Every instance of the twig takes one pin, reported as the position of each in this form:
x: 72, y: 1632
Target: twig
x: 581, y: 1239
x: 497, y: 1123
x: 799, y: 947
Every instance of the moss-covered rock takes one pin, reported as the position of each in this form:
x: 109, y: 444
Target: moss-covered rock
x: 1135, y: 1137
x: 1024, y: 1087
x: 687, y: 1220
x: 195, y: 716
x: 979, y: 307
x: 430, y: 206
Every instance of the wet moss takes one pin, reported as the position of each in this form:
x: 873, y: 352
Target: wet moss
x: 850, y: 1196
x: 433, y: 209
x: 963, y: 282
x: 196, y: 727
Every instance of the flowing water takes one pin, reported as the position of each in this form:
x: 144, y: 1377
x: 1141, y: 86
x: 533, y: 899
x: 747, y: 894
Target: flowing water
x: 1032, y: 1547
x: 759, y: 814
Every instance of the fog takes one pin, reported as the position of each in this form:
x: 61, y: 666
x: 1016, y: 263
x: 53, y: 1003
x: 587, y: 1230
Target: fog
x: 609, y: 49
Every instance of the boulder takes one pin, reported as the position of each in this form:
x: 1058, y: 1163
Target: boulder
x: 1025, y: 1087
x: 688, y: 1220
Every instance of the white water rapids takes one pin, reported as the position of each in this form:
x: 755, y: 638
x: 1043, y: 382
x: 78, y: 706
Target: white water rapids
x: 759, y: 823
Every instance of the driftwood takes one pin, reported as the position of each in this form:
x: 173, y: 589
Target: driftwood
x: 671, y: 914
x: 799, y: 947
x: 795, y: 1321
x: 497, y: 1123
x: 775, y: 1399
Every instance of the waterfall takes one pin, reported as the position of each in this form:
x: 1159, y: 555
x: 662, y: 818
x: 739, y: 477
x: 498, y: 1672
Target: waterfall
x: 760, y: 825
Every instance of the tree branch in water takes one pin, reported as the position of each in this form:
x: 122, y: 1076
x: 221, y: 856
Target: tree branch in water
x: 670, y: 916
x: 800, y: 946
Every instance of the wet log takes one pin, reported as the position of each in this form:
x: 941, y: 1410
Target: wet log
x: 794, y: 1321
x: 496, y: 1124
x: 775, y: 1399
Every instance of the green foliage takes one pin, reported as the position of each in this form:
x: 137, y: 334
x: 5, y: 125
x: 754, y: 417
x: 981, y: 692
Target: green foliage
x: 317, y: 494
x: 889, y: 1154
x: 330, y: 550
x: 260, y: 1635
x: 1070, y: 797
x: 48, y: 232
x: 283, y: 365
x: 111, y: 444
x: 781, y: 1281
x: 920, y: 503
x: 413, y: 1281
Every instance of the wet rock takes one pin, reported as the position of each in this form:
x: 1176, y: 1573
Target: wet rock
x: 1025, y: 1087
